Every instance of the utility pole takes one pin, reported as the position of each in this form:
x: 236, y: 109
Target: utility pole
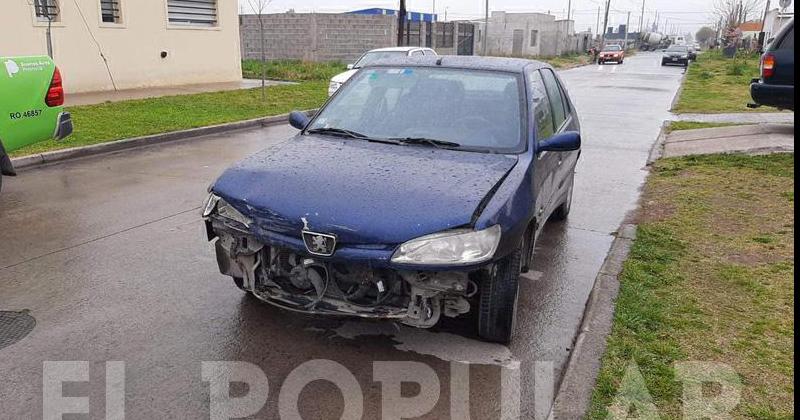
x: 605, y: 24
x: 627, y: 23
x: 641, y: 20
x: 569, y: 8
x: 401, y: 23
x: 597, y: 25
x: 762, y: 35
x: 486, y: 29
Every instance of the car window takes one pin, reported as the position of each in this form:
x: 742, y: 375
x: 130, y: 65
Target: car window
x: 416, y: 53
x: 429, y: 52
x: 374, y: 56
x: 476, y: 109
x: 540, y: 104
x: 787, y: 43
x: 556, y: 100
x: 612, y: 48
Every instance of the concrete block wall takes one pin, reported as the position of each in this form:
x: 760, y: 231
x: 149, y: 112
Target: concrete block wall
x: 316, y: 36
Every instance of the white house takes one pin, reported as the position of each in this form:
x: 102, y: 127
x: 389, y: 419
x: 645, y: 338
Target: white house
x: 135, y: 43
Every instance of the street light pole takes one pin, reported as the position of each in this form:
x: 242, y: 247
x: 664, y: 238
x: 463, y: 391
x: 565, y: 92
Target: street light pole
x: 605, y: 25
x: 641, y: 20
x: 486, y: 29
x: 625, y: 43
x: 569, y: 8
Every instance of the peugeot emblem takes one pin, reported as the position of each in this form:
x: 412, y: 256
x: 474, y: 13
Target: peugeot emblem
x: 318, y: 243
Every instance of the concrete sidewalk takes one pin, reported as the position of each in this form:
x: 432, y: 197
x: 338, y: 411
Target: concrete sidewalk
x: 91, y: 98
x: 741, y: 118
x: 755, y: 139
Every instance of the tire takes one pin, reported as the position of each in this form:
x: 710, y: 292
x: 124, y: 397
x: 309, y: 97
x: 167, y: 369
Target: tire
x: 498, y: 300
x: 562, y: 212
x: 239, y: 282
x: 528, y: 247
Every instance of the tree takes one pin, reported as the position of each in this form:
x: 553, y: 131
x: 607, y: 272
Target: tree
x: 258, y: 7
x: 733, y: 13
x: 705, y: 34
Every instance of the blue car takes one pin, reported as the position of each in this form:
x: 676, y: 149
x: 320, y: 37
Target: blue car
x: 417, y: 191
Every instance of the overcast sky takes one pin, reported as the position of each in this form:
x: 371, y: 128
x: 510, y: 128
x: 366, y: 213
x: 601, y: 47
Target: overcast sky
x: 689, y: 14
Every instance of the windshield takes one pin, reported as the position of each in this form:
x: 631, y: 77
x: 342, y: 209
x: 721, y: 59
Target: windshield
x: 373, y: 56
x: 677, y: 48
x: 612, y: 48
x: 474, y: 110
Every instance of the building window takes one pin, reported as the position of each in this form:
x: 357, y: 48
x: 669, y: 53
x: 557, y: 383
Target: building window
x: 47, y: 10
x: 534, y: 37
x: 192, y: 12
x: 110, y: 11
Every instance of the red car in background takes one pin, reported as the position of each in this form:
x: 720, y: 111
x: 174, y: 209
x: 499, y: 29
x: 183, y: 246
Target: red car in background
x: 613, y: 53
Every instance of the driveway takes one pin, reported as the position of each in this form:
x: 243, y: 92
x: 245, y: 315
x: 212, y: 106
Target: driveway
x: 108, y: 255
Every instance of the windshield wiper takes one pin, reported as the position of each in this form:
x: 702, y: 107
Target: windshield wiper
x: 341, y: 132
x: 440, y: 144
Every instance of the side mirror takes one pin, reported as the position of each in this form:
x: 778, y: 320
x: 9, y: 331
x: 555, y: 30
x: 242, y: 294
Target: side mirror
x: 564, y: 142
x: 350, y: 66
x: 298, y: 120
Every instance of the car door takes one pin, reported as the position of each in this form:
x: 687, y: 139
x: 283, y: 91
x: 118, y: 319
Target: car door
x: 544, y: 163
x: 564, y: 119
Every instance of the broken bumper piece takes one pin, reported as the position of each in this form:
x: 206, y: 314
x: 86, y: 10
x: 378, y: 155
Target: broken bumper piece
x: 292, y: 279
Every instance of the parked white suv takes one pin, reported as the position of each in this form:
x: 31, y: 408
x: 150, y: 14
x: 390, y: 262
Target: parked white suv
x: 372, y: 56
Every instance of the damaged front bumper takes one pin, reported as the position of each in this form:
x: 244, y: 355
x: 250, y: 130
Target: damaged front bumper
x: 357, y: 281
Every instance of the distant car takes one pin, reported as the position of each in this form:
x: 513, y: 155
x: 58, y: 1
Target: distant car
x: 692, y: 53
x: 613, y: 53
x: 373, y: 56
x: 31, y: 106
x: 676, y: 54
x: 775, y: 87
x: 417, y: 192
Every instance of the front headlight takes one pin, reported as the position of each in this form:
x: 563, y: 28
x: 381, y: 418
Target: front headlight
x: 456, y: 247
x: 214, y: 203
x: 684, y: 56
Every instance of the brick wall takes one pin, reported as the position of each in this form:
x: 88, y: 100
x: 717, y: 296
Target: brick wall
x: 315, y: 36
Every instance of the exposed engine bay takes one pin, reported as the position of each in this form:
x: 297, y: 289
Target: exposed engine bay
x: 308, y: 284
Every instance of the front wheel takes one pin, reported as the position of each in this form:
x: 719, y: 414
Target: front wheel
x: 498, y: 300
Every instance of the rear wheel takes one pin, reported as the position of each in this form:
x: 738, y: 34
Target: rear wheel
x: 239, y: 282
x: 498, y: 300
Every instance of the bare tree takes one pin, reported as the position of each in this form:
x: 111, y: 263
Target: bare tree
x: 258, y: 7
x: 733, y: 13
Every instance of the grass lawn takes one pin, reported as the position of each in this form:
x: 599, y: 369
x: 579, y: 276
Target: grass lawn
x: 710, y: 277
x: 715, y: 84
x: 565, y: 61
x: 120, y: 120
x: 694, y: 125
x: 293, y: 70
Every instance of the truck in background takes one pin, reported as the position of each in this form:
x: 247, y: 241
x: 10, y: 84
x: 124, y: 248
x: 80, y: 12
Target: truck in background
x: 31, y: 106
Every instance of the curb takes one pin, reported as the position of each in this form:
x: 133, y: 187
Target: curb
x: 575, y: 391
x: 680, y: 90
x: 40, y: 159
x: 658, y: 147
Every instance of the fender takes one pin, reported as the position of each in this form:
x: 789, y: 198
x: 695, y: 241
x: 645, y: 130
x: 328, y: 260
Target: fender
x: 6, y: 168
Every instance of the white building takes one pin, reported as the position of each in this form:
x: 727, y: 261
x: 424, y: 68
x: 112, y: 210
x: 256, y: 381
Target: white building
x: 145, y: 43
x: 529, y: 35
x: 775, y: 21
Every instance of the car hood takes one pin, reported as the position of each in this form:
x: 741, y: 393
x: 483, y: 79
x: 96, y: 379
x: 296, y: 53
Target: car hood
x: 343, y: 77
x: 362, y: 192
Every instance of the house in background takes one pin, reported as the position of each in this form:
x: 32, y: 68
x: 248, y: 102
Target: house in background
x: 530, y: 35
x: 137, y: 43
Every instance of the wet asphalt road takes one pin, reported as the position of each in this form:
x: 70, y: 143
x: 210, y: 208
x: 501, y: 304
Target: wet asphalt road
x: 109, y: 255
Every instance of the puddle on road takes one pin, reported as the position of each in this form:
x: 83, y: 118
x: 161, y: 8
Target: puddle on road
x: 445, y: 346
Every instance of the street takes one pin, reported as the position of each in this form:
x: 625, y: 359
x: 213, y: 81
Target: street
x: 109, y: 256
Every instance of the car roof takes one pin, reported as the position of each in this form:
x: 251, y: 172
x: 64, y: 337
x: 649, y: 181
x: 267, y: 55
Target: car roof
x: 513, y: 65
x: 403, y: 49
